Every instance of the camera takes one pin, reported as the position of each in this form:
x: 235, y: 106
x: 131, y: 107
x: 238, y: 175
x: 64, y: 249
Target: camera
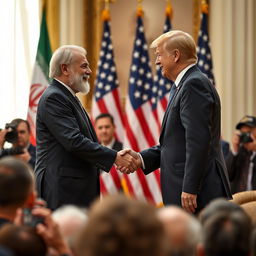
x: 11, y: 151
x: 12, y: 135
x: 245, y: 137
x: 29, y: 219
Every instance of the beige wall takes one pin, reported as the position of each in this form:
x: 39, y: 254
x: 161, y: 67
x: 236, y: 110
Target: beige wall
x: 233, y: 35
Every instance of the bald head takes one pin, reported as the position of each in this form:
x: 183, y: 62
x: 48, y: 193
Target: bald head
x: 183, y: 230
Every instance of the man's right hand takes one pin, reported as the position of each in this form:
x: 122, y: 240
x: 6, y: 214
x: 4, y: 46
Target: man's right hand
x: 136, y: 161
x: 126, y: 161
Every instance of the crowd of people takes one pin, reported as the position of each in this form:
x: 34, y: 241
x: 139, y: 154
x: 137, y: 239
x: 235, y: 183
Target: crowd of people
x: 63, y: 170
x: 114, y: 225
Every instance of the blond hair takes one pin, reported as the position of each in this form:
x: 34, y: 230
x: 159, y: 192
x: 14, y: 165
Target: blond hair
x: 177, y: 39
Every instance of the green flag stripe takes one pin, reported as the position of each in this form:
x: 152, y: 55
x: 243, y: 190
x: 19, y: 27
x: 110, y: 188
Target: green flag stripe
x: 44, y: 51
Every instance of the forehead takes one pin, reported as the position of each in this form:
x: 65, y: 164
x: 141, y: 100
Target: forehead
x: 79, y: 58
x: 103, y: 121
x: 22, y: 126
x: 160, y: 48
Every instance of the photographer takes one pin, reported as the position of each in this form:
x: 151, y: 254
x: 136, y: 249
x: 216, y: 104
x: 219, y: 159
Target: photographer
x: 18, y: 133
x: 242, y: 164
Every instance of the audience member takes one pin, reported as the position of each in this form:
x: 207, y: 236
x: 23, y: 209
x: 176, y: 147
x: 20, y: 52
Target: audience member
x: 105, y: 130
x: 16, y: 188
x: 242, y: 164
x: 22, y: 240
x: 121, y: 226
x: 70, y: 219
x: 19, y: 135
x: 182, y: 229
x: 217, y: 206
x: 226, y: 233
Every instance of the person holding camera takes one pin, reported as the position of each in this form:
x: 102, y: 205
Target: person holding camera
x: 242, y: 163
x: 18, y: 133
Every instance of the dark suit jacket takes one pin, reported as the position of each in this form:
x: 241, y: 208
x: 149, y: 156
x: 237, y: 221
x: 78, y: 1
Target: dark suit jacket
x: 117, y: 145
x: 238, y: 170
x: 68, y: 153
x: 32, y: 152
x: 189, y: 153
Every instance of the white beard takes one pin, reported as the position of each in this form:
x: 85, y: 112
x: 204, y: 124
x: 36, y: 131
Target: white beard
x: 78, y: 84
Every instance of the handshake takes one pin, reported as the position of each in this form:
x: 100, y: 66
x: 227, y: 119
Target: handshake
x: 128, y: 161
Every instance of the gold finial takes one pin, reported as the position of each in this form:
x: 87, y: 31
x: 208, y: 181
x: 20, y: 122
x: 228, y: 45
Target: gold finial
x: 204, y: 6
x: 169, y: 10
x: 139, y: 8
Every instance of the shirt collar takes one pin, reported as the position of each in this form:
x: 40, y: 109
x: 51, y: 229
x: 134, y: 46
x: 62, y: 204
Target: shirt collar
x: 182, y: 73
x: 73, y: 93
x: 111, y: 144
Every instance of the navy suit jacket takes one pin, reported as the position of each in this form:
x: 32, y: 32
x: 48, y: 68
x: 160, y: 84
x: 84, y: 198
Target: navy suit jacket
x: 189, y: 153
x: 32, y: 152
x: 68, y: 154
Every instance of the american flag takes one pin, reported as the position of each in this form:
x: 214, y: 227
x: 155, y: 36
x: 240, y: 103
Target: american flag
x: 141, y: 126
x: 203, y: 48
x: 106, y: 100
x: 162, y: 85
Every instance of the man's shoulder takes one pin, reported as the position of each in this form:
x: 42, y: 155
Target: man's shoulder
x: 55, y: 90
x: 117, y: 145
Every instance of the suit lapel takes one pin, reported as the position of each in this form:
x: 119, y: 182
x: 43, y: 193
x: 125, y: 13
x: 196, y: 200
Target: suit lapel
x: 170, y: 103
x: 78, y: 107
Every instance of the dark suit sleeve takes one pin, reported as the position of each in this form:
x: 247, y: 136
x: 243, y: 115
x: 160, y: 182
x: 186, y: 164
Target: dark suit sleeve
x: 151, y: 158
x: 60, y: 119
x: 196, y: 110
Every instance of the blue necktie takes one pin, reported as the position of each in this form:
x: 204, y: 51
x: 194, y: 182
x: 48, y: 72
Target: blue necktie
x: 172, y: 92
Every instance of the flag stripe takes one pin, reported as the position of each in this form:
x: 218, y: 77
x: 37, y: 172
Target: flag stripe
x: 106, y: 100
x: 144, y: 126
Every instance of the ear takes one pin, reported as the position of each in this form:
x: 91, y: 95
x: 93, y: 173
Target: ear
x: 64, y: 69
x: 176, y: 54
x: 200, y: 250
x: 31, y: 199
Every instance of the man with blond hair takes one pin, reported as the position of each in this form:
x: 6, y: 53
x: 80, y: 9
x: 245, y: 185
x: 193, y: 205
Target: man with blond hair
x: 193, y: 171
x: 68, y: 154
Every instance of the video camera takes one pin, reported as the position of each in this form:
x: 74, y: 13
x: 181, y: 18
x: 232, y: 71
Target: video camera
x: 12, y: 135
x: 245, y: 137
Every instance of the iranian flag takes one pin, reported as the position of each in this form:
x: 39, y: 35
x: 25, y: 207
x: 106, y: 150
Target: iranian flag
x: 40, y: 79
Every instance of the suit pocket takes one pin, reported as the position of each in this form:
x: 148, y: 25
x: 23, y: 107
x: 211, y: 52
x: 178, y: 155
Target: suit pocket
x: 72, y: 172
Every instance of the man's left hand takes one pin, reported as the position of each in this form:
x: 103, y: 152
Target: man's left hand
x: 188, y: 202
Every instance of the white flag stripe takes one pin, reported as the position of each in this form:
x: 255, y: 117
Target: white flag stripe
x: 135, y: 127
x: 109, y: 183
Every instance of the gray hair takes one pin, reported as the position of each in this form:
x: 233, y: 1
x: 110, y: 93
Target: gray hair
x: 189, y: 235
x: 70, y: 219
x: 69, y: 212
x: 63, y: 55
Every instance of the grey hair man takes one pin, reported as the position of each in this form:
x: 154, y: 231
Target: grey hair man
x: 70, y: 219
x: 69, y: 156
x: 183, y: 231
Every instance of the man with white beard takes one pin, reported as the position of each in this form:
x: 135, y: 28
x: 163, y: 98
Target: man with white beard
x: 69, y: 156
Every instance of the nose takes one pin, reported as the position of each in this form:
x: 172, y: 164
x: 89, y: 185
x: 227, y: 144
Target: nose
x: 157, y: 61
x: 88, y: 71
